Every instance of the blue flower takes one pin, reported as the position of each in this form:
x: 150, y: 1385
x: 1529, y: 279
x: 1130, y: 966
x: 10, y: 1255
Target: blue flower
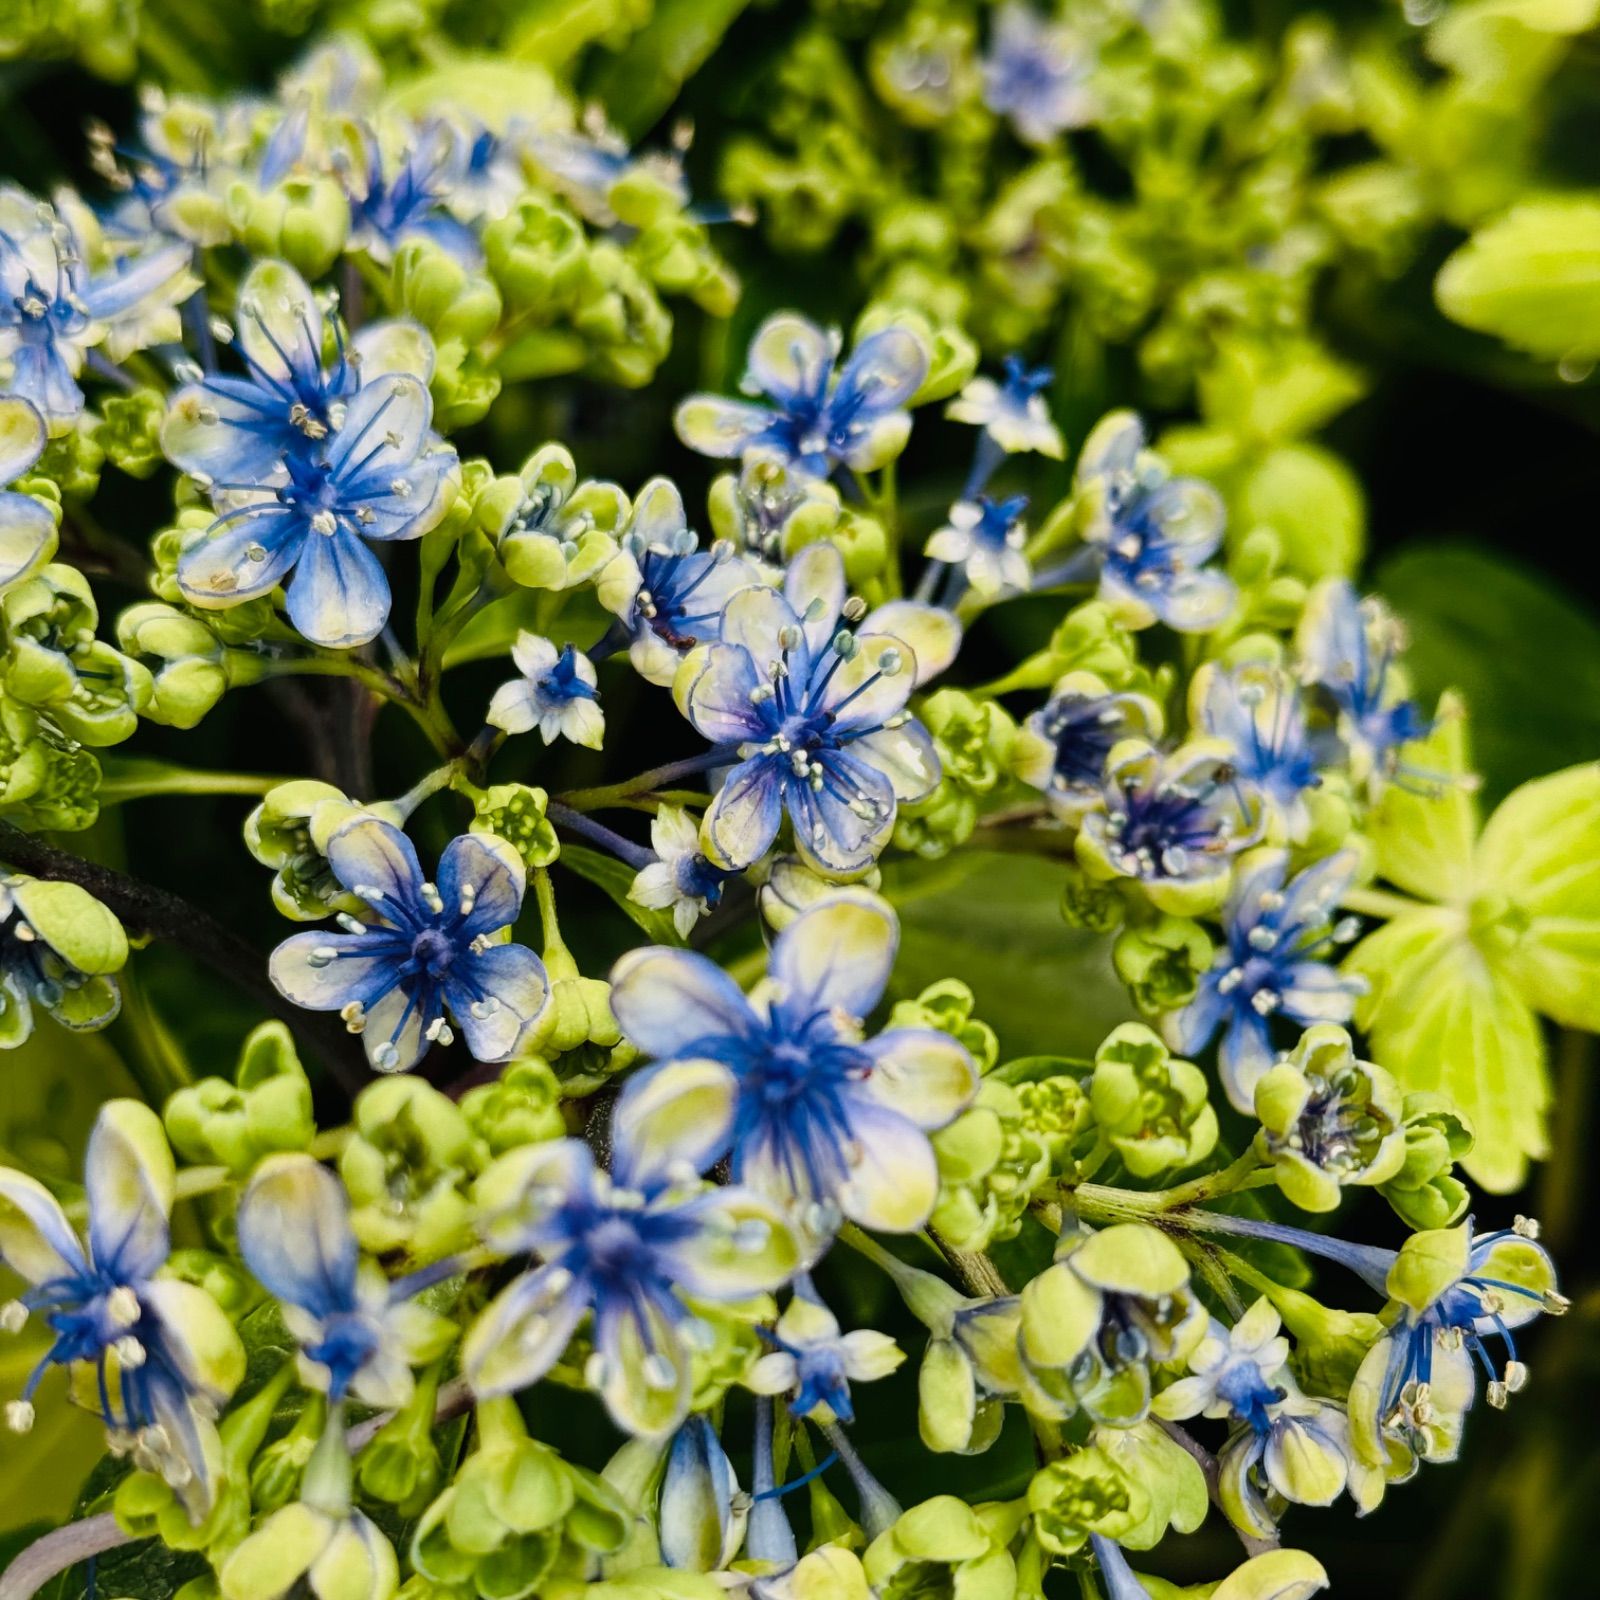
x: 812, y: 1110
x: 27, y: 529
x: 985, y: 538
x: 1063, y: 747
x: 813, y: 1363
x: 1152, y: 532
x: 819, y: 418
x: 680, y: 879
x: 1275, y: 930
x: 555, y: 694
x: 667, y: 593
x: 630, y: 1247
x: 1171, y: 823
x: 359, y: 1335
x: 1347, y: 648
x: 1036, y: 74
x: 163, y: 1354
x: 54, y: 309
x: 393, y: 201
x: 1256, y: 710
x: 817, y: 713
x: 426, y: 953
x: 702, y: 1512
x: 1013, y: 412
x: 585, y: 167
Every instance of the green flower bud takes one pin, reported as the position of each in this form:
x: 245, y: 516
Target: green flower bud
x: 1329, y: 1344
x: 942, y: 1546
x: 974, y: 737
x: 933, y: 827
x: 183, y: 656
x: 401, y: 1466
x: 408, y: 1166
x: 1425, y: 1192
x: 1328, y: 1120
x: 339, y: 1558
x: 990, y: 1164
x: 1083, y: 1493
x: 305, y: 220
x: 129, y: 431
x: 70, y: 464
x: 277, y: 1470
x: 1088, y: 904
x: 515, y: 812
x: 60, y: 946
x: 289, y: 830
x: 535, y: 253
x: 1152, y: 1108
x: 1055, y: 1109
x: 522, y: 1106
x: 859, y: 539
x: 1174, y: 1485
x: 558, y: 532
x: 675, y: 253
x: 46, y: 784
x: 947, y: 1006
x: 266, y: 1109
x: 1161, y: 962
x: 619, y: 314
x: 792, y: 887
x: 428, y: 283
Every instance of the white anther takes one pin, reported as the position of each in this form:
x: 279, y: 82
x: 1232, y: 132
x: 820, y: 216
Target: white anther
x: 13, y: 1317
x: 431, y: 898
x: 122, y: 1307
x: 325, y: 523
x: 129, y: 1352
x: 19, y: 1415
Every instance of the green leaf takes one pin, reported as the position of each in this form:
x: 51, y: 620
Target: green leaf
x: 492, y: 632
x: 994, y: 921
x: 1540, y: 858
x: 1525, y: 656
x: 1313, y: 502
x: 1424, y: 837
x: 616, y: 878
x: 642, y: 82
x: 1531, y: 278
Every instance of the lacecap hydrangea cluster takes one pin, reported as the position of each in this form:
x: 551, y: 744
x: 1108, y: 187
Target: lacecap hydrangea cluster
x: 644, y: 1185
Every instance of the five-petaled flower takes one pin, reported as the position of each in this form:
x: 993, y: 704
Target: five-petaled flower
x: 680, y: 879
x: 817, y: 715
x: 555, y: 694
x: 424, y: 951
x: 1276, y: 928
x: 814, y: 1112
x: 1037, y: 75
x: 1256, y: 710
x: 985, y: 538
x: 636, y: 1246
x: 1012, y: 412
x: 1062, y: 748
x: 819, y: 418
x: 162, y: 1353
x: 813, y: 1363
x: 359, y: 1335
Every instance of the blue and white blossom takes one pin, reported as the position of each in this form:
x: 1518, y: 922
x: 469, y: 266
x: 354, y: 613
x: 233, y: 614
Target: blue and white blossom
x: 160, y: 1354
x: 680, y: 880
x: 1037, y: 74
x: 702, y: 1512
x: 1013, y: 412
x: 813, y: 1112
x: 1062, y: 748
x: 555, y: 693
x: 822, y: 415
x: 1278, y: 932
x: 401, y: 182
x: 359, y: 1335
x: 635, y: 1246
x: 425, y: 959
x: 27, y: 529
x: 985, y: 538
x: 1257, y: 711
x: 815, y: 711
x: 667, y: 594
x: 1151, y: 532
x: 812, y: 1363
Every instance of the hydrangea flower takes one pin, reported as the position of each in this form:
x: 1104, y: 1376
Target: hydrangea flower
x: 1255, y: 709
x: 628, y: 1246
x: 27, y: 529
x: 1062, y: 748
x: 1347, y: 648
x: 163, y: 1354
x: 359, y: 1335
x: 1037, y: 75
x: 702, y: 1513
x: 813, y: 1363
x: 404, y: 193
x: 812, y: 1111
x: 586, y: 166
x: 426, y: 952
x: 820, y: 417
x: 985, y: 538
x: 54, y: 309
x: 58, y: 949
x: 560, y: 533
x: 1171, y: 823
x: 555, y: 694
x: 668, y: 594
x: 1153, y: 532
x: 1012, y: 412
x: 680, y: 879
x: 1275, y: 930
x: 817, y: 714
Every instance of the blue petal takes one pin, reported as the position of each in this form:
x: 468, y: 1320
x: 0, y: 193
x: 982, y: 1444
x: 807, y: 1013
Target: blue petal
x: 383, y: 431
x: 713, y: 426
x: 842, y: 826
x: 340, y: 596
x: 361, y: 969
x: 717, y: 700
x: 294, y: 1234
x: 218, y: 569
x: 675, y: 1003
x: 496, y: 997
x: 134, y: 278
x: 128, y: 1175
x: 377, y: 863
x: 1245, y: 1056
x: 490, y: 871
x: 743, y: 818
x: 882, y: 374
x: 838, y: 955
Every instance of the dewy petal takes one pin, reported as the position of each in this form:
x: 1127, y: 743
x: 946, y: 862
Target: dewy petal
x: 679, y: 1113
x: 743, y: 818
x: 369, y: 854
x: 299, y: 973
x: 838, y: 956
x: 491, y: 872
x: 36, y: 1240
x: 674, y: 1003
x: 395, y: 1020
x: 842, y: 826
x: 738, y: 1244
x: 340, y: 595
x: 219, y: 569
x: 383, y: 431
x: 638, y: 1344
x: 230, y: 430
x: 790, y: 358
x: 906, y: 756
x: 496, y: 997
x: 814, y: 586
x: 894, y: 1178
x: 520, y: 1194
x: 870, y: 687
x: 22, y: 437
x: 294, y: 1234
x: 932, y: 633
x: 1195, y: 602
x: 523, y: 1331
x: 717, y: 700
x: 280, y: 322
x: 712, y: 426
x: 885, y: 370
x: 27, y: 535
x: 128, y: 1174
x: 925, y: 1075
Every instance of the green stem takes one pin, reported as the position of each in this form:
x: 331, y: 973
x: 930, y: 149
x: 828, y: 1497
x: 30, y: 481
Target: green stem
x: 1379, y: 903
x: 116, y: 790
